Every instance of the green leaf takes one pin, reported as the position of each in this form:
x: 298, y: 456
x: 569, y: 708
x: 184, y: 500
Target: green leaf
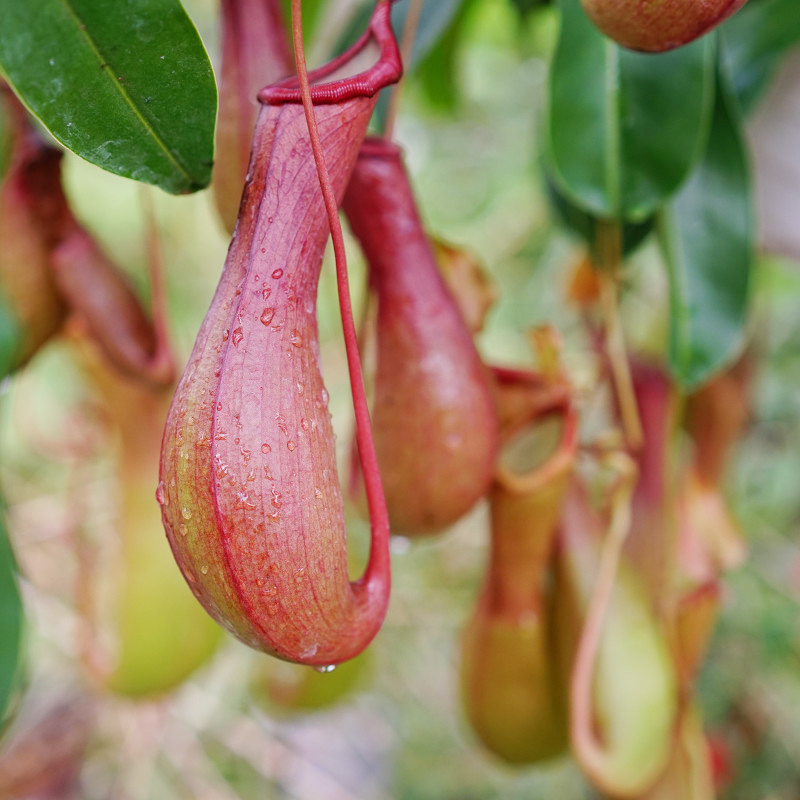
x: 11, y: 624
x: 755, y: 39
x: 126, y: 85
x: 624, y: 129
x: 585, y: 225
x: 707, y: 237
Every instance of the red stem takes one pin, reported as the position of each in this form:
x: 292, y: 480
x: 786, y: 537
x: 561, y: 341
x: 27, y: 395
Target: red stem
x: 378, y: 566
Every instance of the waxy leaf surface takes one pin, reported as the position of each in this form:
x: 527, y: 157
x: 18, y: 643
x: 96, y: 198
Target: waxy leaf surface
x: 707, y: 237
x: 127, y: 86
x: 755, y: 39
x: 624, y: 129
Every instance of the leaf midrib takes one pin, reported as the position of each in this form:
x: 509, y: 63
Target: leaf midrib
x: 105, y: 67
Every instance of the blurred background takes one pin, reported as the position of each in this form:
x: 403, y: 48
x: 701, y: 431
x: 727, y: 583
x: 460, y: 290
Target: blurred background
x: 390, y: 724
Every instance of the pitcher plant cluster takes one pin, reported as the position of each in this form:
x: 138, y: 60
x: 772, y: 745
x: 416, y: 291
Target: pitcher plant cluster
x: 607, y: 542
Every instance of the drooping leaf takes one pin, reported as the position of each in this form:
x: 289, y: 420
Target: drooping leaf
x: 585, y: 225
x: 624, y: 129
x: 127, y: 86
x: 707, y: 236
x: 11, y: 623
x: 755, y: 39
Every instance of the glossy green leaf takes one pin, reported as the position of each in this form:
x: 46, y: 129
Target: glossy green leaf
x: 11, y: 624
x: 755, y: 39
x: 707, y: 238
x: 585, y: 225
x: 127, y: 86
x: 624, y: 129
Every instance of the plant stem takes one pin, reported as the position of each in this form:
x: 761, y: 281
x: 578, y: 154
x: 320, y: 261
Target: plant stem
x: 609, y: 248
x: 406, y: 49
x: 378, y: 566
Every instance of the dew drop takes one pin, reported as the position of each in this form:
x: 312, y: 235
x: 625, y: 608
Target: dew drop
x: 291, y: 445
x: 266, y: 315
x: 296, y: 339
x: 263, y: 249
x: 300, y: 573
x: 277, y: 274
x: 237, y: 336
x: 325, y: 397
x: 317, y: 494
x: 186, y: 513
x: 265, y: 448
x: 266, y: 291
x: 276, y: 498
x: 225, y: 334
x: 304, y: 424
x: 204, y: 569
x: 269, y: 219
x: 300, y: 388
x: 182, y: 529
x: 161, y: 495
x: 326, y: 668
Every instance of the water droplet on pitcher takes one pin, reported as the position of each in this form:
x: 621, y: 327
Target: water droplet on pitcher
x: 266, y: 291
x: 277, y: 274
x: 325, y: 669
x: 291, y: 445
x: 305, y: 424
x: 182, y: 529
x: 267, y: 315
x: 237, y: 336
x: 325, y: 397
x: 276, y: 498
x: 265, y: 448
x: 300, y: 573
x: 318, y: 494
x: 225, y: 334
x: 204, y: 569
x: 300, y: 388
x: 161, y: 496
x: 186, y: 513
x: 296, y: 339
